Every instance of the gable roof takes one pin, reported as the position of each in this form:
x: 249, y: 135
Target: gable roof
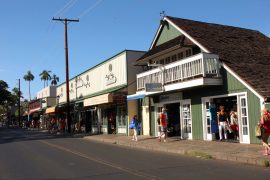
x: 245, y: 51
x: 178, y: 42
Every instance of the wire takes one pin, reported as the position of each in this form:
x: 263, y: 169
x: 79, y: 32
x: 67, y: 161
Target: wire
x: 66, y: 7
x: 90, y: 8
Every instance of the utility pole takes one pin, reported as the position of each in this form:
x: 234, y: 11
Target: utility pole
x: 19, y: 103
x: 67, y: 70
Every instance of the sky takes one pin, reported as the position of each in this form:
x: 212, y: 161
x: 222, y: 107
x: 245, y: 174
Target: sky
x: 30, y: 40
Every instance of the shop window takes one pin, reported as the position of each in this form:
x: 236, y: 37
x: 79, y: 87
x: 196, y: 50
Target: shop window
x: 122, y: 114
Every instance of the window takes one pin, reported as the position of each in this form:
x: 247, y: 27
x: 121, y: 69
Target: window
x: 161, y: 61
x: 121, y: 116
x: 174, y: 58
x: 188, y: 52
x: 180, y: 55
x: 168, y: 60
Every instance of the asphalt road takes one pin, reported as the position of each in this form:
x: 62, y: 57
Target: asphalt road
x: 37, y: 155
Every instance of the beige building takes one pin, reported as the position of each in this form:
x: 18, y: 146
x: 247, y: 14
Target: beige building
x: 98, y: 95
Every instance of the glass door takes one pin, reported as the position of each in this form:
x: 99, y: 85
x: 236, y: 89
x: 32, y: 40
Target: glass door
x: 186, y: 119
x: 243, y: 120
x: 207, y: 120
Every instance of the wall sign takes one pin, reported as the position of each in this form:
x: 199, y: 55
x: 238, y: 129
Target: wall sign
x: 110, y: 78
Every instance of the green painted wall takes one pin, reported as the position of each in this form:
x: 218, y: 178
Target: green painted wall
x: 267, y: 106
x: 168, y: 32
x: 230, y: 85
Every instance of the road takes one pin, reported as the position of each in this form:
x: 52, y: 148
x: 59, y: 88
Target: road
x: 36, y: 155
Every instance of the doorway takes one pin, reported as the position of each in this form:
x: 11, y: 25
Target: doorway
x: 235, y: 103
x: 173, y: 116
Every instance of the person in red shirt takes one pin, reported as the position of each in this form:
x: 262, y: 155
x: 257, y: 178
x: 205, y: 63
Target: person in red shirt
x: 265, y: 124
x: 163, y: 124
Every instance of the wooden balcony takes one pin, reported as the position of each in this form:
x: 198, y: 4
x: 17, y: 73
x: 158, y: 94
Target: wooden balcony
x: 198, y: 70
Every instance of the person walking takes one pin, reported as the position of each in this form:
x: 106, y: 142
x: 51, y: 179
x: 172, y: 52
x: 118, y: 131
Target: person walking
x: 136, y: 127
x: 163, y: 123
x: 222, y: 123
x: 265, y: 124
x: 159, y: 129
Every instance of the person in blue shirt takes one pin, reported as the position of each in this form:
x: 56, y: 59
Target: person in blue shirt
x: 136, y: 127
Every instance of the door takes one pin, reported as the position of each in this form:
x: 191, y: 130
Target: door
x: 243, y: 119
x: 207, y: 133
x: 158, y: 112
x: 186, y: 119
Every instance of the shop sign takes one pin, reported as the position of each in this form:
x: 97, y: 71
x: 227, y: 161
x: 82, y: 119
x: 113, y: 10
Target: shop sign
x: 110, y: 78
x: 170, y: 97
x: 153, y: 87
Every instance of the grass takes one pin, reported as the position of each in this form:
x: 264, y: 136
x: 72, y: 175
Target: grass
x: 199, y: 155
x: 266, y: 163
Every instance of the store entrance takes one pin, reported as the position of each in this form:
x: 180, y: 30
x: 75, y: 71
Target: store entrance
x: 173, y: 115
x: 111, y: 114
x: 213, y: 107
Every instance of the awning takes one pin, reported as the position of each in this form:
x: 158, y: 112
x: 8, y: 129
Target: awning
x: 102, y: 99
x: 135, y: 96
x: 25, y: 113
x: 34, y: 110
x: 50, y: 110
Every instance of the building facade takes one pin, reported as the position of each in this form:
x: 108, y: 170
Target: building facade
x: 193, y: 68
x: 98, y: 95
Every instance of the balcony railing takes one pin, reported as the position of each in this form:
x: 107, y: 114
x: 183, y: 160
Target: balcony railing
x: 200, y: 65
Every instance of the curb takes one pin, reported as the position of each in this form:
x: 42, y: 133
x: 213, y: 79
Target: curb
x: 262, y: 162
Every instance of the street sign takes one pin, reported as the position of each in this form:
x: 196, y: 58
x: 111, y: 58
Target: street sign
x: 153, y: 87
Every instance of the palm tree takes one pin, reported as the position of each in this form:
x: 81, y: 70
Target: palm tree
x: 29, y: 77
x: 54, y: 79
x: 45, y: 76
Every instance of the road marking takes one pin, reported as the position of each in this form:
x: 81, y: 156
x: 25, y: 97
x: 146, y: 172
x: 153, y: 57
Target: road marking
x: 100, y: 161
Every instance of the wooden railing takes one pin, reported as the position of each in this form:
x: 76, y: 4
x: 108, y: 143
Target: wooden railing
x: 200, y: 65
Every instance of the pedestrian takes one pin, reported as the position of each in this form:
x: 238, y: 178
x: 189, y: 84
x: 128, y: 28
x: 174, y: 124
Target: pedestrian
x: 159, y: 129
x: 222, y: 123
x: 163, y: 123
x: 265, y: 124
x: 234, y: 124
x: 63, y: 125
x: 136, y: 127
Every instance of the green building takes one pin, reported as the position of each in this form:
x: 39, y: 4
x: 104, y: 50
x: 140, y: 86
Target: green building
x: 192, y: 68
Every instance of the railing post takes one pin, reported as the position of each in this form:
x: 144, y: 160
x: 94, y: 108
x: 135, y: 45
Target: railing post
x: 203, y: 65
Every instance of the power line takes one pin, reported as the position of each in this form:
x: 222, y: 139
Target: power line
x: 65, y: 8
x: 90, y: 8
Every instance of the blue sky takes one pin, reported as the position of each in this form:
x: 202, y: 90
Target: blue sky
x: 30, y: 40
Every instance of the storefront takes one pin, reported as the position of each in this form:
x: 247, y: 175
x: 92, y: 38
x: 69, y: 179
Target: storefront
x: 233, y: 103
x: 107, y: 113
x: 102, y: 91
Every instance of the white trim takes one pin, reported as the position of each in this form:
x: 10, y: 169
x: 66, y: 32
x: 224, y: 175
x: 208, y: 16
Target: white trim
x: 242, y: 81
x: 240, y: 125
x: 190, y: 135
x: 155, y: 38
x: 186, y: 34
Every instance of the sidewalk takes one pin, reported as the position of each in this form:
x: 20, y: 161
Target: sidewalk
x: 241, y: 153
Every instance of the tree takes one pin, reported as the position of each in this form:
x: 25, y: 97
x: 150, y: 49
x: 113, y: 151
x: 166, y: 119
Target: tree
x: 45, y: 76
x: 5, y: 94
x: 54, y: 79
x: 29, y: 77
